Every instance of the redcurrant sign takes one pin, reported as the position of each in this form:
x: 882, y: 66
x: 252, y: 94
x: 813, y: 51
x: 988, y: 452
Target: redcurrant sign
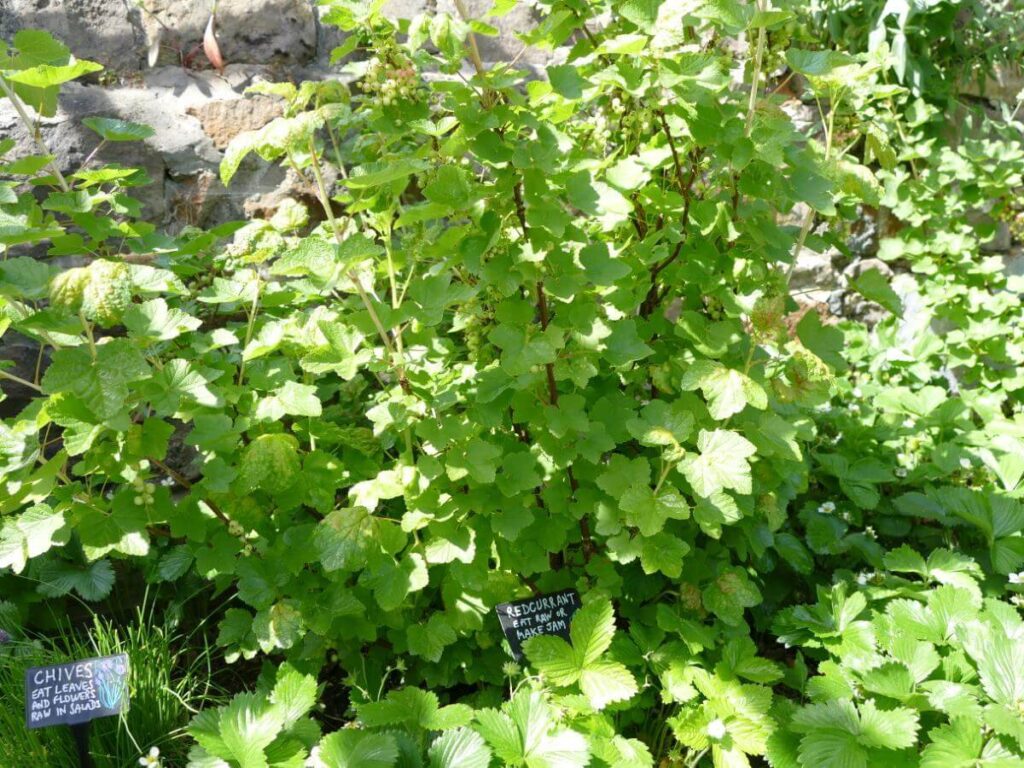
x: 538, y: 615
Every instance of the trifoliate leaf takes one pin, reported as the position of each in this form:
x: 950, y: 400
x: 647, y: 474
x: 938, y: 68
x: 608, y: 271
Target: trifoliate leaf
x: 459, y: 748
x: 294, y: 695
x: 350, y: 748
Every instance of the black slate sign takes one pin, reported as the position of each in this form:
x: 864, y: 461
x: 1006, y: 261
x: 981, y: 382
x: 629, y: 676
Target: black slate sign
x: 540, y: 615
x: 75, y: 693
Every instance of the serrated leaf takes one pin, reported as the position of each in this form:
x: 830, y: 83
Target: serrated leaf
x: 728, y: 391
x: 604, y: 682
x: 722, y: 463
x: 358, y: 749
x: 459, y: 748
x: 31, y: 534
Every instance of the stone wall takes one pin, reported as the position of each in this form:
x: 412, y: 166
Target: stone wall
x: 195, y: 110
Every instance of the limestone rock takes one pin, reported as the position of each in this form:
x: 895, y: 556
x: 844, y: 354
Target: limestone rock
x: 224, y: 119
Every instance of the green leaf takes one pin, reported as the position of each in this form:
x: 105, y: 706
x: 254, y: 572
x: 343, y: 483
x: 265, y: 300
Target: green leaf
x: 416, y: 710
x: 728, y: 391
x: 92, y: 582
x: 960, y: 744
x: 270, y: 463
x: 525, y: 733
x: 349, y: 748
x: 566, y: 81
x: 664, y: 553
x: 591, y: 631
x: 343, y: 538
x: 451, y: 187
x: 816, y: 63
x: 873, y: 286
x: 278, y: 627
x: 31, y: 534
x: 722, y: 463
x: 50, y: 75
x: 114, y: 129
x: 154, y: 321
x: 429, y: 639
x: 836, y: 735
x: 605, y: 682
x: 368, y: 177
x: 292, y: 399
x: 175, y: 563
x: 102, y: 385
x: 729, y: 594
x: 294, y: 695
x: 648, y: 512
x: 624, y: 345
x: 554, y: 658
x: 459, y: 748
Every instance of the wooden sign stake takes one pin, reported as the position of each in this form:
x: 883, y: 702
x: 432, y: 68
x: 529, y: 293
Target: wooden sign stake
x: 80, y: 733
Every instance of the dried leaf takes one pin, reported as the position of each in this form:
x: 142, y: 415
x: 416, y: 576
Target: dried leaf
x: 210, y: 46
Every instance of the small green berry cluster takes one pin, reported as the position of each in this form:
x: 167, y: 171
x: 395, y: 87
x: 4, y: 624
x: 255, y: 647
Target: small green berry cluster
x: 143, y: 490
x: 390, y: 78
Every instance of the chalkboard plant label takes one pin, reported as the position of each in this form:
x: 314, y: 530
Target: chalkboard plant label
x: 538, y: 615
x: 77, y: 692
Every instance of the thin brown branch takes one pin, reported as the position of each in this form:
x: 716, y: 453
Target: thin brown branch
x: 185, y: 483
x: 549, y: 369
x: 683, y: 186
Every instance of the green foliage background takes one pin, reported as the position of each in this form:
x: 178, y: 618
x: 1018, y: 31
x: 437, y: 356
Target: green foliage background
x: 538, y: 333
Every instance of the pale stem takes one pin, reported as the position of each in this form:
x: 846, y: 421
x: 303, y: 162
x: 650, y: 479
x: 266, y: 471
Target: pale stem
x: 325, y: 201
x: 31, y: 127
x: 474, y: 51
x: 250, y: 325
x: 756, y: 81
x: 18, y: 380
x: 87, y: 327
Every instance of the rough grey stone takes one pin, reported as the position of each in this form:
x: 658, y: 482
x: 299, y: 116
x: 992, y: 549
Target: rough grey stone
x: 23, y: 352
x: 106, y: 31
x: 504, y: 47
x: 1013, y: 262
x: 815, y: 274
x: 804, y: 116
x: 282, y: 32
x: 1004, y: 84
x: 996, y: 233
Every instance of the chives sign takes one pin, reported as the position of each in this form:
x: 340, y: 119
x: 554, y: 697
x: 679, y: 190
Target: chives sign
x: 75, y: 693
x: 540, y: 615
